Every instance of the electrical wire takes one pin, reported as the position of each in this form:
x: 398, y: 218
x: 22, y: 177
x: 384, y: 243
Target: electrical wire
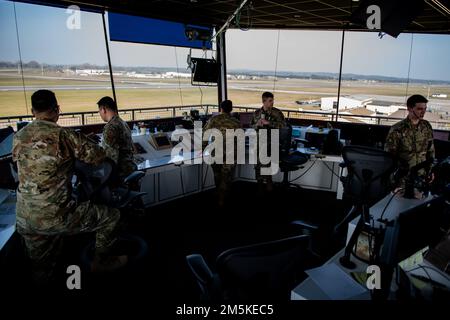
x: 249, y: 20
x: 182, y: 182
x: 431, y: 268
x: 276, y: 61
x: 201, y: 97
x: 303, y: 172
x: 387, y: 204
x: 178, y: 75
x: 206, y: 176
x: 331, y: 170
x: 409, y: 65
x: 20, y: 58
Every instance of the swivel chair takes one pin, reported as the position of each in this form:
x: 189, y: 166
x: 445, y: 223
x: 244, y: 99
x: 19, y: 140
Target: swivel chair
x: 367, y: 182
x: 264, y: 271
x: 94, y: 184
x: 97, y: 184
x: 290, y: 159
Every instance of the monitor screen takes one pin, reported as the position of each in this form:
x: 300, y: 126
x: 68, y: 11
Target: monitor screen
x: 412, y: 231
x: 138, y: 147
x: 419, y: 227
x: 316, y: 139
x: 162, y: 140
x: 206, y: 70
x: 246, y: 119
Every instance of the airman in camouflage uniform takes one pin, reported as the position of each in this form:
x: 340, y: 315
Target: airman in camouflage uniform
x: 117, y: 140
x: 45, y: 155
x: 268, y: 117
x: 411, y: 140
x: 223, y: 173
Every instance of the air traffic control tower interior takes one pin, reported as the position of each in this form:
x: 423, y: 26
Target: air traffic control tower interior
x: 354, y: 201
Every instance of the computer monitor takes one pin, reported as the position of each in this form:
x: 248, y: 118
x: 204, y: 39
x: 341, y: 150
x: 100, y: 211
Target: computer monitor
x: 160, y: 141
x: 205, y: 70
x: 246, y: 119
x: 316, y: 139
x: 412, y: 231
x: 296, y: 132
x: 6, y: 141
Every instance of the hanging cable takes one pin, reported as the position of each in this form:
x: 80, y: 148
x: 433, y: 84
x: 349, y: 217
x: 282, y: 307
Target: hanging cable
x: 178, y: 75
x: 201, y: 97
x: 249, y: 20
x: 20, y: 59
x: 276, y: 61
x: 409, y: 66
x: 199, y: 87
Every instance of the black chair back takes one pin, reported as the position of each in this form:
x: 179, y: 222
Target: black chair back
x: 285, y: 136
x: 265, y: 271
x: 93, y: 182
x: 369, y: 174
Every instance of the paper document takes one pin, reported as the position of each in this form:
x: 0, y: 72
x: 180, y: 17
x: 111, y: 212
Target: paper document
x: 335, y: 283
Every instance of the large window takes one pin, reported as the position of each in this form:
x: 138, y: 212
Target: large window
x: 430, y: 75
x: 44, y: 47
x: 12, y: 98
x: 379, y: 74
x: 67, y: 59
x: 300, y: 67
x: 153, y: 76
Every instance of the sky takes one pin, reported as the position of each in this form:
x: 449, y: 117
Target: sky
x: 45, y: 38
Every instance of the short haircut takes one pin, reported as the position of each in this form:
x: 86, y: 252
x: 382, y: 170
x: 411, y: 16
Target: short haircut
x: 416, y: 98
x: 108, y: 103
x: 43, y: 101
x: 267, y: 95
x: 226, y: 106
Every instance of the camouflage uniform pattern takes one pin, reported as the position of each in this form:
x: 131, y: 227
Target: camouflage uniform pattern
x: 45, y: 154
x: 410, y: 144
x: 223, y: 173
x: 277, y: 121
x: 118, y: 145
x: 274, y: 116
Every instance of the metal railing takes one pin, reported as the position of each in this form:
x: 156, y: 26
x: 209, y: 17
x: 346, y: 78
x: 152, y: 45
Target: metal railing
x: 92, y: 117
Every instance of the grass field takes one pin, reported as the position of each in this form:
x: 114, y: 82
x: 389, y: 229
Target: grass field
x: 242, y: 92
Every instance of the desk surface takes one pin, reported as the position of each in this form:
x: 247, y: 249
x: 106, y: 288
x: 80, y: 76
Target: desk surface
x: 308, y: 289
x: 156, y: 158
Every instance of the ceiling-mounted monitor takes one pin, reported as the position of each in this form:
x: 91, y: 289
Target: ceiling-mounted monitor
x: 205, y: 71
x: 394, y: 15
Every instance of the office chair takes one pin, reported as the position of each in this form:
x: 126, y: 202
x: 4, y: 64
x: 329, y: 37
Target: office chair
x: 368, y: 181
x: 290, y: 160
x: 96, y: 184
x: 6, y: 145
x: 265, y: 271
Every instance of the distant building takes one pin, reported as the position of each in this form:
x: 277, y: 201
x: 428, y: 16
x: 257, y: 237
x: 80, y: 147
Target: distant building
x: 330, y: 103
x: 176, y: 75
x: 439, y: 95
x: 383, y: 107
x: 90, y: 71
x: 345, y: 103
